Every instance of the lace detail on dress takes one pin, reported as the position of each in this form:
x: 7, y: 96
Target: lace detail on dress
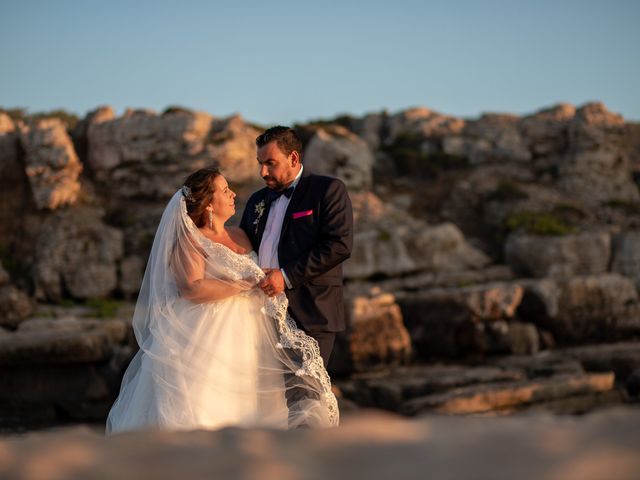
x: 235, y: 266
x: 293, y: 338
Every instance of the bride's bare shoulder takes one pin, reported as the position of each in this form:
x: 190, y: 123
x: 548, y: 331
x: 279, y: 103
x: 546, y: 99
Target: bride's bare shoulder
x: 240, y: 237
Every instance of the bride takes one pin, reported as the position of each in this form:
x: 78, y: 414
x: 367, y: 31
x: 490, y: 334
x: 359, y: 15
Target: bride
x: 215, y: 350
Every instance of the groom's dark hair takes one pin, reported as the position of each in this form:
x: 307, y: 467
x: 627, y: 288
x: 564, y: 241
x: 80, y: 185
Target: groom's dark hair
x: 286, y: 138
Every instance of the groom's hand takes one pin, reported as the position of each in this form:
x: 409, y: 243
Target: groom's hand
x: 273, y: 283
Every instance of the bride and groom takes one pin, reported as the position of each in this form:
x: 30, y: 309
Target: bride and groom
x: 236, y: 325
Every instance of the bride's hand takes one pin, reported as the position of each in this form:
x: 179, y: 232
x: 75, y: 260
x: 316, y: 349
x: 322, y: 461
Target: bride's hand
x: 273, y: 284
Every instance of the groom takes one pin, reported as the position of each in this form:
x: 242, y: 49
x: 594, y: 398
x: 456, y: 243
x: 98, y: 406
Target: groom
x: 301, y: 225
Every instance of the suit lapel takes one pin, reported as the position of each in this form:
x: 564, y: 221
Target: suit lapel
x: 296, y: 198
x: 262, y: 223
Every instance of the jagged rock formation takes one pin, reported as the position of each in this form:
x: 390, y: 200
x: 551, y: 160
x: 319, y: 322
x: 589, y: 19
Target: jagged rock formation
x: 501, y: 235
x: 52, y: 165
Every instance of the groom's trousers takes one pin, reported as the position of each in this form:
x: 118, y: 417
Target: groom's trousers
x: 325, y: 342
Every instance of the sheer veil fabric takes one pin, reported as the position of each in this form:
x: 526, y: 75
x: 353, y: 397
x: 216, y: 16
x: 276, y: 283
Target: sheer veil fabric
x: 210, y: 364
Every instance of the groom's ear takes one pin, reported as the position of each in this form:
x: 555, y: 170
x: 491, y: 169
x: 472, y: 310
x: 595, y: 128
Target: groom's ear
x: 294, y: 157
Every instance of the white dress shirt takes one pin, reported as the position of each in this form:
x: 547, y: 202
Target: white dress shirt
x: 268, y: 251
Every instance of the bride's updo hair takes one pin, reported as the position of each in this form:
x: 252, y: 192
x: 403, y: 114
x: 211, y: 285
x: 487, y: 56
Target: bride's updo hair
x: 198, y: 193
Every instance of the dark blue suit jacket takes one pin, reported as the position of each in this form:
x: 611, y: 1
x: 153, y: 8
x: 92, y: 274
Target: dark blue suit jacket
x: 316, y: 237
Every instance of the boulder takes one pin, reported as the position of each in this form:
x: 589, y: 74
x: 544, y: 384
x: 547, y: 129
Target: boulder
x: 597, y: 177
x: 376, y: 335
x: 458, y: 322
x: 509, y: 395
x: 626, y: 255
x: 518, y: 196
x: 583, y: 309
x: 492, y: 301
x: 622, y: 358
x: 390, y: 389
x: 75, y: 342
x: 522, y: 338
x: 603, y: 307
x: 15, y: 193
x: 559, y: 256
x: 115, y: 329
x: 131, y: 273
x: 145, y: 155
x: 52, y: 164
x: 477, y: 150
x: 541, y: 364
x: 15, y: 306
x: 594, y: 126
x: 424, y: 281
x: 404, y: 250
x: 439, y: 329
x: 493, y: 137
x: 421, y: 122
x: 76, y: 254
x: 389, y: 242
x: 338, y: 152
x: 232, y: 145
x: 369, y: 128
x: 596, y: 169
x: 546, y: 131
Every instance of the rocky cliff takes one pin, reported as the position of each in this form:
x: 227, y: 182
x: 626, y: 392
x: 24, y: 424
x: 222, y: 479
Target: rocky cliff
x: 502, y: 235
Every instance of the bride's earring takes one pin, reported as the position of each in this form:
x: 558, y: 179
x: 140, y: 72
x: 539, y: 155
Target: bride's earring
x: 211, y: 219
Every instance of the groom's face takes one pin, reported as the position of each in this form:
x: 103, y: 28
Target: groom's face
x: 277, y: 169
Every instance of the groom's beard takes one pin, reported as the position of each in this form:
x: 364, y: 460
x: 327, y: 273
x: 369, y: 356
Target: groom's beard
x: 274, y: 184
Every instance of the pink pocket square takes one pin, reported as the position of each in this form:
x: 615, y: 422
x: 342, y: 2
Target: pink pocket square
x: 306, y: 213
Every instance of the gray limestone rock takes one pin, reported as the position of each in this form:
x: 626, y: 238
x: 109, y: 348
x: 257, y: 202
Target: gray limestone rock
x: 52, y: 164
x: 78, y: 255
x: 559, y: 256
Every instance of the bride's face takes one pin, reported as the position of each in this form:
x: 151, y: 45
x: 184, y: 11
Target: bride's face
x: 223, y: 203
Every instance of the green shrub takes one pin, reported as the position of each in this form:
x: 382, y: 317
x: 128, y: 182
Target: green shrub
x: 563, y: 209
x: 410, y: 160
x: 538, y: 223
x: 384, y: 236
x: 67, y: 302
x: 175, y: 109
x: 507, y: 191
x: 103, y: 308
x: 632, y: 208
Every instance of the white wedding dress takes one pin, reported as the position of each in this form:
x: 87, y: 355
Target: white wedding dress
x: 238, y: 361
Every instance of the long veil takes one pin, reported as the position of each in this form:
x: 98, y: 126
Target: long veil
x: 214, y: 350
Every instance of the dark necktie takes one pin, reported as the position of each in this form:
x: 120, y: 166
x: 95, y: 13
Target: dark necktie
x: 273, y: 195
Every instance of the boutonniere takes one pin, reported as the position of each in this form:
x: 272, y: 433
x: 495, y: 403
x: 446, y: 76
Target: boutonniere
x: 259, y: 210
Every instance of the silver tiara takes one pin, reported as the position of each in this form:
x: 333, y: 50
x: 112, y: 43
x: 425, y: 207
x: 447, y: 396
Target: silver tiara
x: 186, y: 192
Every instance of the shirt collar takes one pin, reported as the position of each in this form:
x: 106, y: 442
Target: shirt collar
x: 297, y: 179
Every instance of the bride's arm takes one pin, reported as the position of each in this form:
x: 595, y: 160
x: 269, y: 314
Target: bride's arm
x: 189, y: 268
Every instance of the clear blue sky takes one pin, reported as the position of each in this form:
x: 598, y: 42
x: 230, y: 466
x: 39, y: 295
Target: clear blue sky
x: 285, y: 61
